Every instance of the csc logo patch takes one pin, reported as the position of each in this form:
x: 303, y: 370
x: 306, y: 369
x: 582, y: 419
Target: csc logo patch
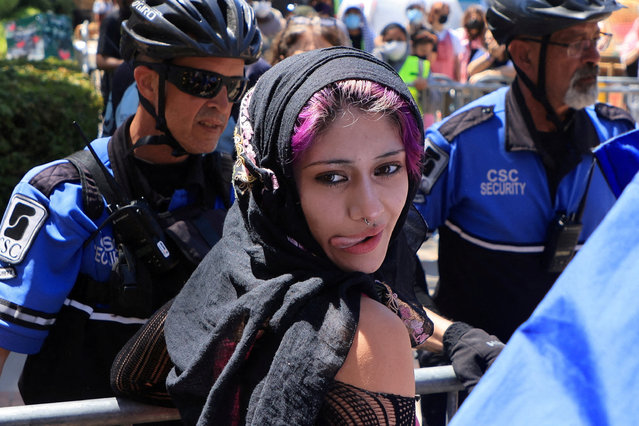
x: 435, y: 162
x: 20, y: 224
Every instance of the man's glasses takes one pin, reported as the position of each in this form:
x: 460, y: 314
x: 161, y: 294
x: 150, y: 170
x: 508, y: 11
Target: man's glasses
x: 577, y: 48
x: 201, y: 83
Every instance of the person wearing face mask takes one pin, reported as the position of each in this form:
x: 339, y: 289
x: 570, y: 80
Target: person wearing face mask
x: 424, y: 44
x: 415, y: 15
x: 359, y: 31
x: 413, y: 70
x: 269, y: 20
x: 471, y: 35
x: 449, y: 47
x: 424, y: 48
x: 394, y: 45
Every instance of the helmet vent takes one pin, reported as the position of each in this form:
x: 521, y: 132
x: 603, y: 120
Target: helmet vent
x: 191, y: 7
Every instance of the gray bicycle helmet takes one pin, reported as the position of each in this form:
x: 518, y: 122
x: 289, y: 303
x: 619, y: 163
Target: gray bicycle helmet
x: 510, y: 18
x: 166, y: 29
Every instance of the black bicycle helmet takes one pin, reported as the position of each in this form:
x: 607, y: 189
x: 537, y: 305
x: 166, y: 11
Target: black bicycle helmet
x: 510, y: 18
x: 166, y: 29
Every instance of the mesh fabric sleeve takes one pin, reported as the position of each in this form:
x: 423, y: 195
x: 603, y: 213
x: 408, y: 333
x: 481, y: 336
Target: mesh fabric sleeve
x: 139, y: 371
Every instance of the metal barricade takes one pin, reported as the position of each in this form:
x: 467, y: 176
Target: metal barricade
x: 102, y: 411
x: 119, y: 411
x: 622, y: 92
x: 444, y: 96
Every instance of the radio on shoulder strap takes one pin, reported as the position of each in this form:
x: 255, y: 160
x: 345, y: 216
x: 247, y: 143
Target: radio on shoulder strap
x: 136, y: 231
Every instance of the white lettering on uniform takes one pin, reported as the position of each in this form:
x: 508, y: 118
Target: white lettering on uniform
x: 105, y: 252
x: 502, y: 182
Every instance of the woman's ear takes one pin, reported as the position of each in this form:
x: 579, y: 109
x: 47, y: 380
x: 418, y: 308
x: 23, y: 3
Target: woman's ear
x: 147, y: 81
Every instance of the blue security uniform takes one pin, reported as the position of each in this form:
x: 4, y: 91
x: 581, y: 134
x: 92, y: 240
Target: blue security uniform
x: 60, y: 279
x: 492, y: 193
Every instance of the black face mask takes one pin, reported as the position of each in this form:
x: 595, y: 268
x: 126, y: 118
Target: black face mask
x: 474, y: 24
x: 443, y: 19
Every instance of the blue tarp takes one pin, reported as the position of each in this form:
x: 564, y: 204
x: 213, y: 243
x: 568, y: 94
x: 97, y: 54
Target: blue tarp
x: 619, y: 160
x: 576, y: 360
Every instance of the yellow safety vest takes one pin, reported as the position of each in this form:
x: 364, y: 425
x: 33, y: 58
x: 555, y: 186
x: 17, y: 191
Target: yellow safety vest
x: 413, y: 68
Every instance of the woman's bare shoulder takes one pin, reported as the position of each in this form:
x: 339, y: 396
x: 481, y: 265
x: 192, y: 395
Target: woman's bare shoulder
x: 380, y: 358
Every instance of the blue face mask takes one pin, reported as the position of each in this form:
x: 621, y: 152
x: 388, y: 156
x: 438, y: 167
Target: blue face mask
x: 352, y: 21
x: 414, y: 16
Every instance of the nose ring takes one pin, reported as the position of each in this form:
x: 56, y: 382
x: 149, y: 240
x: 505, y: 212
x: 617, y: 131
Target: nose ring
x: 369, y: 223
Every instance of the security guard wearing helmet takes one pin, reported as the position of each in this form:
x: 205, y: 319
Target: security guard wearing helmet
x: 509, y: 180
x: 94, y: 248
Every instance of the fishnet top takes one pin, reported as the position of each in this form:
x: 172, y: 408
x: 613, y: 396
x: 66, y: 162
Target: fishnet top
x: 139, y: 372
x: 349, y: 405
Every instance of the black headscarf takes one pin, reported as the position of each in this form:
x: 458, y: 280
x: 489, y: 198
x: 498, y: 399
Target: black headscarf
x: 266, y: 321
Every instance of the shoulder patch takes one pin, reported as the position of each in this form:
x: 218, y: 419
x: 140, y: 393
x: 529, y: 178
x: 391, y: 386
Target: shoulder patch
x: 49, y: 178
x: 52, y: 176
x: 613, y: 113
x: 463, y: 121
x: 20, y: 224
x: 435, y: 162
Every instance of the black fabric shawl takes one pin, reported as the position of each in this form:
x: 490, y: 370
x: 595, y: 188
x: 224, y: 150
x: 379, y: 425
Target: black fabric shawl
x: 266, y: 321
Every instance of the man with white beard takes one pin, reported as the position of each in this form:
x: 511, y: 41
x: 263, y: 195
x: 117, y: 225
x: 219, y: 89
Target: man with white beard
x: 510, y: 181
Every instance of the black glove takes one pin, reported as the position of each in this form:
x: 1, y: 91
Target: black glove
x: 471, y: 351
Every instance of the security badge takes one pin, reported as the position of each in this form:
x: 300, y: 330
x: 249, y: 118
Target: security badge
x: 435, y: 162
x: 20, y: 224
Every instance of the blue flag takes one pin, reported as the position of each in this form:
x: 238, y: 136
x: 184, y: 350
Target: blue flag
x: 576, y: 360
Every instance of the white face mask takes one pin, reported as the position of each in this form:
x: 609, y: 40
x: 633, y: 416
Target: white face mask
x: 395, y: 50
x: 262, y: 8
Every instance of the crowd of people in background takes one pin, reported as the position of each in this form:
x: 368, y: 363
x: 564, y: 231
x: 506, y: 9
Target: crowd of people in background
x: 422, y: 43
x: 421, y: 39
x: 255, y: 304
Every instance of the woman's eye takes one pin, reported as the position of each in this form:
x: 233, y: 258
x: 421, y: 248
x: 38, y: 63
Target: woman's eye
x: 388, y: 169
x: 330, y: 178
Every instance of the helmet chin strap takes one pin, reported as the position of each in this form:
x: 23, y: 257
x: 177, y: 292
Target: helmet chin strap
x: 539, y: 90
x: 160, y: 123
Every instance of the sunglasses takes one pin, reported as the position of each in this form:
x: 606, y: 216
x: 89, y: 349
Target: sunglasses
x: 201, y: 83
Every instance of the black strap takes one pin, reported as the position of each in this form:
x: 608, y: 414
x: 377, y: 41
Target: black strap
x: 582, y: 204
x: 92, y: 203
x: 84, y: 160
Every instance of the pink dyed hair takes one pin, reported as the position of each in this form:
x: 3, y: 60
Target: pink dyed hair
x: 369, y: 97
